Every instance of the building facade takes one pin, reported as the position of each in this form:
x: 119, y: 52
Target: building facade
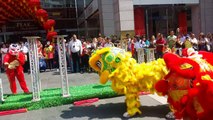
x: 62, y: 11
x: 144, y: 16
x: 118, y: 17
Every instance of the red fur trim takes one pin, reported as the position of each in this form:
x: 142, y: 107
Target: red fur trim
x: 206, y: 116
x: 205, y: 98
x: 184, y: 52
x: 162, y: 86
x: 184, y: 99
x: 168, y: 75
x: 208, y: 56
x: 188, y: 73
x: 170, y: 59
x: 174, y: 63
x: 190, y: 111
x: 193, y: 92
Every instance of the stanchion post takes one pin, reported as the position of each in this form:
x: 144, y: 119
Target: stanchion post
x: 34, y: 67
x: 63, y: 65
x: 140, y: 53
x: 1, y: 92
x: 150, y: 54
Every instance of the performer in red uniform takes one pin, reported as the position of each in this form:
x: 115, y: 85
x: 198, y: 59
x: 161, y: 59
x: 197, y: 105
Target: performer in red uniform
x: 13, y: 61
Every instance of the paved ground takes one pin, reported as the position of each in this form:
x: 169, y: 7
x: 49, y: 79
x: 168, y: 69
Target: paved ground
x: 51, y: 79
x: 153, y: 107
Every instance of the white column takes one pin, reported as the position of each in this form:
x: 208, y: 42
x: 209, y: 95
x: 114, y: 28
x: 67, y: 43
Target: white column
x: 63, y: 65
x: 196, y: 20
x: 106, y: 16
x: 1, y: 91
x: 124, y: 17
x: 34, y: 67
x: 206, y: 16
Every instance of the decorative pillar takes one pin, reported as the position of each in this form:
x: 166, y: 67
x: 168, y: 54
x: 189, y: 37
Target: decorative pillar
x: 63, y: 65
x: 1, y: 91
x: 34, y: 67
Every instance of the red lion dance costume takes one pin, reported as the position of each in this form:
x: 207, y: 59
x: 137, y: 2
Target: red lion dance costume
x: 189, y: 84
x: 13, y: 61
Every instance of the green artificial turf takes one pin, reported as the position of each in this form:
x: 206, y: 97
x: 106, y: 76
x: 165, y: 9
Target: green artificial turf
x: 53, y: 97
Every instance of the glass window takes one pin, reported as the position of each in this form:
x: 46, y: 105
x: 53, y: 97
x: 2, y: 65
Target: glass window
x: 165, y: 18
x: 80, y: 6
x: 58, y: 3
x: 88, y: 2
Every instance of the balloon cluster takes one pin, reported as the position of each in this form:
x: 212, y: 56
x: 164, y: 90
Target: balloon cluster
x: 26, y: 9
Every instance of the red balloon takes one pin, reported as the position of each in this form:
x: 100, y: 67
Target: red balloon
x: 51, y: 34
x: 48, y: 24
x: 34, y: 3
x: 41, y: 13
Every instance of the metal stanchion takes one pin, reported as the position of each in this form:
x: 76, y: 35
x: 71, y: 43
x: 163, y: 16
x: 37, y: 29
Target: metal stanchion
x: 63, y: 65
x: 34, y: 67
x: 1, y: 92
x: 140, y: 52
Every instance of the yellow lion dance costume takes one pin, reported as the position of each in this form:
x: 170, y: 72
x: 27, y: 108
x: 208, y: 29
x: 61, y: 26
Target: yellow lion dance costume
x: 127, y: 76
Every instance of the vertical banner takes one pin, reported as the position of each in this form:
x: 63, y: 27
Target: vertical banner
x: 139, y: 21
x: 182, y: 22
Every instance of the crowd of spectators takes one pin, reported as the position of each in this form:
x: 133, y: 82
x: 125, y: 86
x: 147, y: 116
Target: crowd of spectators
x: 173, y: 43
x: 78, y: 50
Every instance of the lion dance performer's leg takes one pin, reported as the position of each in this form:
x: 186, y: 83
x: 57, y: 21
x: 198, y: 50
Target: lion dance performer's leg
x: 11, y: 78
x: 20, y: 76
x: 132, y: 101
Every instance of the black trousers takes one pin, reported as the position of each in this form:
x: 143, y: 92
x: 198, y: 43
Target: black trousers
x: 85, y: 62
x: 27, y: 64
x: 50, y: 63
x: 76, y: 58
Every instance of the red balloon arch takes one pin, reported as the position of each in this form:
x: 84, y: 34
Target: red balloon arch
x: 26, y: 9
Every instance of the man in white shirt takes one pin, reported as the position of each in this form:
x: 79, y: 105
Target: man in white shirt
x: 194, y: 41
x: 137, y: 45
x: 108, y: 43
x: 75, y: 49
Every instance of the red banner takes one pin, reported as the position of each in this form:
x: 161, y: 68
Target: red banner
x: 182, y: 21
x: 139, y: 21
